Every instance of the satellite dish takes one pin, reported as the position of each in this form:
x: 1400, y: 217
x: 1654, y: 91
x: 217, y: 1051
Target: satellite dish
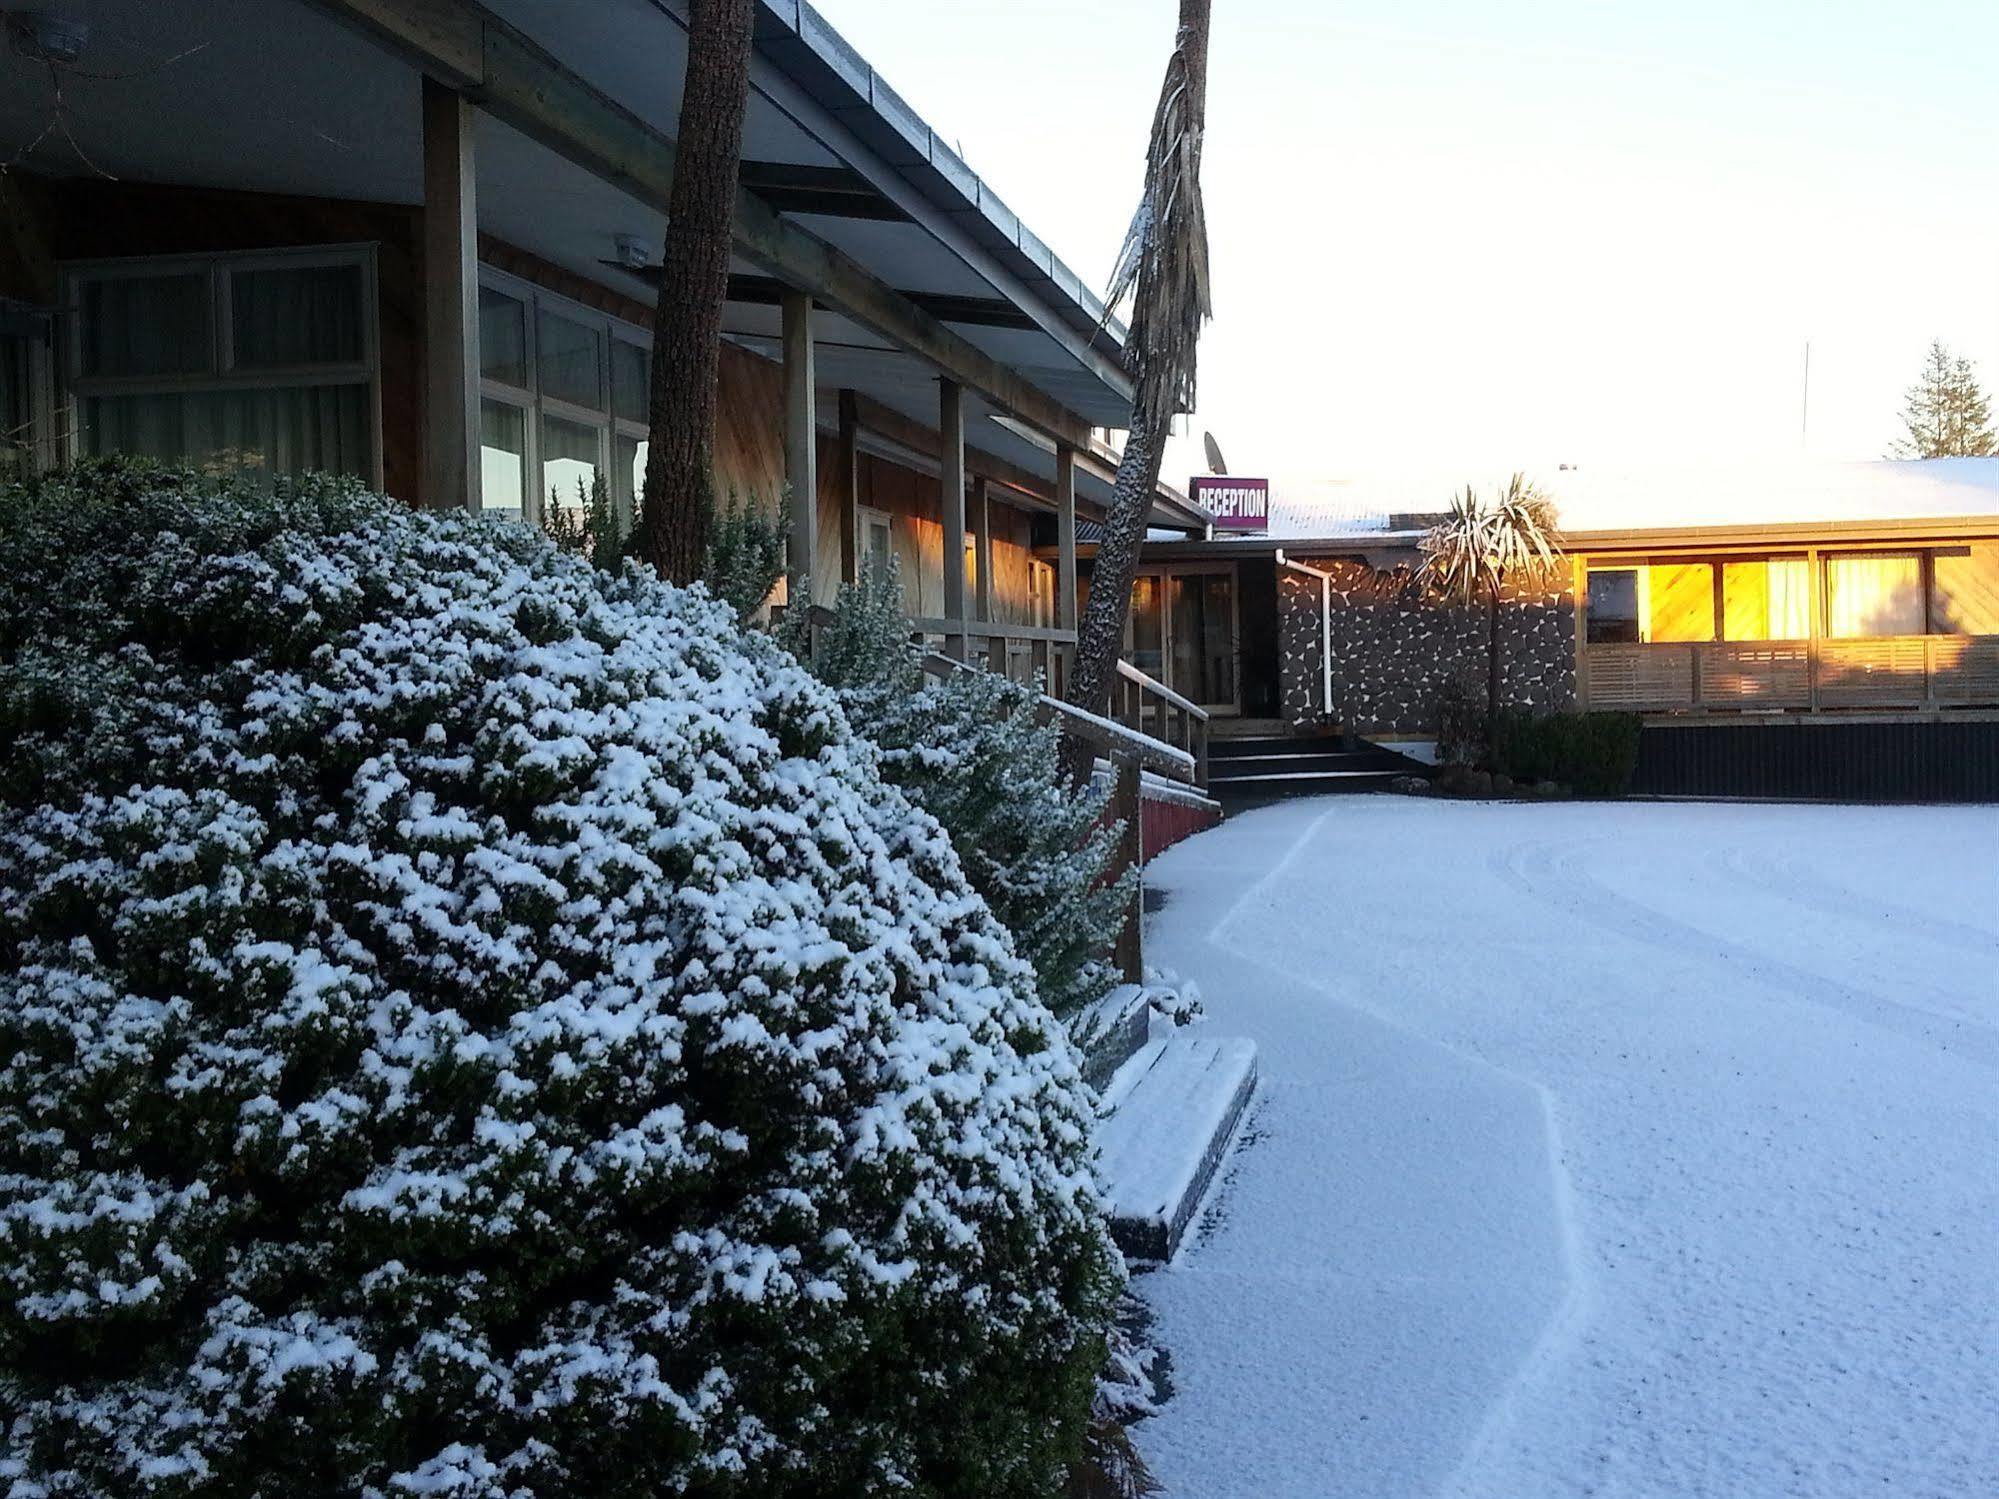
x: 1215, y: 464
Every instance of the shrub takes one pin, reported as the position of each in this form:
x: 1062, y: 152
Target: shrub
x: 969, y: 751
x: 472, y: 1025
x: 1461, y: 722
x: 745, y: 555
x: 1594, y: 752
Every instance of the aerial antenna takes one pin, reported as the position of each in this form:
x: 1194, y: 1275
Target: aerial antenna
x: 1805, y: 414
x: 1215, y: 464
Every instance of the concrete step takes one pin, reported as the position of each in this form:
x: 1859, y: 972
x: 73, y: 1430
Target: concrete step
x: 1173, y: 1110
x: 1313, y: 760
x: 1220, y: 782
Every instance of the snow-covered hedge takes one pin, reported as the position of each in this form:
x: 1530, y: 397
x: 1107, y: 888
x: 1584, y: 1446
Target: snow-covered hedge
x: 474, y: 1026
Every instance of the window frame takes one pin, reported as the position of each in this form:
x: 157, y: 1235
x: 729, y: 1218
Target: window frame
x: 534, y: 405
x: 1925, y: 586
x: 866, y: 519
x: 222, y: 374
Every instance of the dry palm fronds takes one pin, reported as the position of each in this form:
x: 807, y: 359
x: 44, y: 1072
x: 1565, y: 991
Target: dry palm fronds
x: 1163, y: 263
x: 1470, y: 552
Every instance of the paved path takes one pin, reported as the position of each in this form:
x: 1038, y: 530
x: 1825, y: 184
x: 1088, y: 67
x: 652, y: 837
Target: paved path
x: 1641, y: 1150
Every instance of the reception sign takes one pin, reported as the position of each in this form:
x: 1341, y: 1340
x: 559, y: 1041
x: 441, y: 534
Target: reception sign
x: 1236, y: 504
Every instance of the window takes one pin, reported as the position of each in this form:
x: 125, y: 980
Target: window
x: 877, y: 541
x: 1874, y: 595
x: 260, y: 362
x: 1680, y: 602
x: 564, y: 394
x: 1041, y: 592
x: 1615, y: 606
x: 1768, y: 600
x: 1966, y: 600
x: 1660, y: 601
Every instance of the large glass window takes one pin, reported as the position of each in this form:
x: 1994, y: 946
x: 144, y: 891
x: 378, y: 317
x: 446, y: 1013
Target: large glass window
x: 1680, y: 603
x: 263, y: 363
x: 503, y: 459
x: 1874, y: 595
x: 565, y: 393
x: 1967, y: 591
x: 1766, y: 600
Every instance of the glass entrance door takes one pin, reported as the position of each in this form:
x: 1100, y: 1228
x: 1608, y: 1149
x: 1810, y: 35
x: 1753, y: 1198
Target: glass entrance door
x: 1182, y: 632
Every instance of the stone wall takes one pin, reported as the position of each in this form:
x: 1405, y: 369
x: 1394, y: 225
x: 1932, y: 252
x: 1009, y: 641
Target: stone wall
x: 1395, y: 646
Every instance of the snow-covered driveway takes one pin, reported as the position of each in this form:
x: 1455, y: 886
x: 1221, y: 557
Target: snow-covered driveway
x: 1625, y: 1150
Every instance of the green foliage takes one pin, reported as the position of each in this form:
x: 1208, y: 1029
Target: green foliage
x: 473, y: 1024
x: 591, y: 526
x: 1946, y: 414
x: 968, y: 749
x: 745, y: 554
x: 1595, y: 753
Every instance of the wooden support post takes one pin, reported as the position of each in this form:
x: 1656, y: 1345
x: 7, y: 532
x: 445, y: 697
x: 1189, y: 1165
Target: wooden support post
x: 850, y: 487
x: 951, y: 477
x: 801, y: 453
x: 1128, y: 807
x: 982, y: 554
x: 450, y: 302
x: 1815, y: 624
x: 1065, y: 558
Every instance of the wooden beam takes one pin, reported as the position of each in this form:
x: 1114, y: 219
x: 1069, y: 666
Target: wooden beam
x: 850, y: 488
x: 951, y: 431
x: 506, y: 73
x: 450, y: 302
x: 886, y: 421
x: 801, y: 444
x: 1065, y: 536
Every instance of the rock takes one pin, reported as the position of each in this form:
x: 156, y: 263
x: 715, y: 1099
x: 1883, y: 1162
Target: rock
x: 1502, y: 785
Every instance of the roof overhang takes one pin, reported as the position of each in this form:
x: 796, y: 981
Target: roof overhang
x: 1790, y: 534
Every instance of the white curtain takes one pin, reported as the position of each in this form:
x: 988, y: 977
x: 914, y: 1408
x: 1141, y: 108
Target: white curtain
x: 282, y: 317
x: 1873, y: 596
x: 1790, y: 599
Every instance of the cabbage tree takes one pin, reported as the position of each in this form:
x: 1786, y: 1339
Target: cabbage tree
x: 1470, y: 555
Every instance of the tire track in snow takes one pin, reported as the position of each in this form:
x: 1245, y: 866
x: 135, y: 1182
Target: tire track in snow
x: 1807, y: 889
x: 1557, y: 874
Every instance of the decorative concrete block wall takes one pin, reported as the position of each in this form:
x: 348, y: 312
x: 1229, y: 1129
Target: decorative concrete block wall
x: 1395, y: 646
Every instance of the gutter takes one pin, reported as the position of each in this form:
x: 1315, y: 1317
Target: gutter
x: 1325, y: 622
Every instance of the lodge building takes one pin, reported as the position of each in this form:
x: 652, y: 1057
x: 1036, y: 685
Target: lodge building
x: 416, y: 241
x: 1820, y: 629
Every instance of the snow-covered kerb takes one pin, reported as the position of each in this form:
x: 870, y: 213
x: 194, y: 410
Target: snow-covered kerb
x: 473, y: 1026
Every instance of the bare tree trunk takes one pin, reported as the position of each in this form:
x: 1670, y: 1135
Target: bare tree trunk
x: 1492, y: 672
x: 1170, y: 299
x: 693, y: 284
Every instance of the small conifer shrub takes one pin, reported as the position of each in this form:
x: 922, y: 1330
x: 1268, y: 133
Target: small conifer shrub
x: 969, y: 750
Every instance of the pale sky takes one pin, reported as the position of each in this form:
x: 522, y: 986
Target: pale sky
x: 1498, y: 234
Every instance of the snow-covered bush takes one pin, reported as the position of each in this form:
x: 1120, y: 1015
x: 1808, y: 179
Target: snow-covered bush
x: 471, y: 1025
x: 968, y: 750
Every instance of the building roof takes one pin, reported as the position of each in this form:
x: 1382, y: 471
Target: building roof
x: 301, y: 97
x: 1664, y: 497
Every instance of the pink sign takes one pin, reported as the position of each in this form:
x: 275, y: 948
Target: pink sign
x: 1236, y: 504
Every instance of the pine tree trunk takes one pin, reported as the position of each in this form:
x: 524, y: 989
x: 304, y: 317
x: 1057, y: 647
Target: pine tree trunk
x: 694, y: 283
x: 1492, y: 674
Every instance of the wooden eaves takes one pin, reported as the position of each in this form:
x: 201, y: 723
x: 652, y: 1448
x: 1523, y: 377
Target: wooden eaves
x: 507, y: 74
